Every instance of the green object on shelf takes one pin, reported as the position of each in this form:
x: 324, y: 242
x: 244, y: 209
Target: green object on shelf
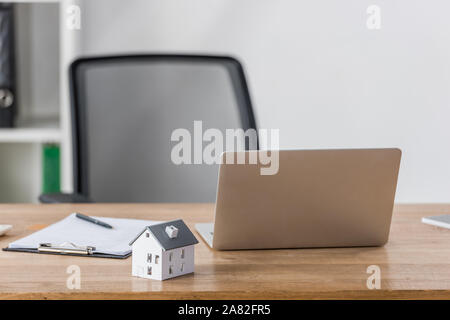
x: 50, y: 168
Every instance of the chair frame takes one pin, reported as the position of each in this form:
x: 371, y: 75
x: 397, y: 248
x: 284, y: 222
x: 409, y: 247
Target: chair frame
x: 79, y: 138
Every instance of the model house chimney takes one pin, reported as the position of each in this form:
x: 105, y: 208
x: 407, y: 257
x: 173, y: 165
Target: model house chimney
x: 172, y: 232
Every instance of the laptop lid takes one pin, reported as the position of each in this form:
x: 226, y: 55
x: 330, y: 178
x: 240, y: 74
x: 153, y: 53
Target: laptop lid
x: 318, y: 198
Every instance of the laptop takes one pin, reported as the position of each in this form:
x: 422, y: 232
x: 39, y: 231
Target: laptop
x: 318, y: 198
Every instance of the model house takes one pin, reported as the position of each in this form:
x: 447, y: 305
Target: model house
x: 163, y: 251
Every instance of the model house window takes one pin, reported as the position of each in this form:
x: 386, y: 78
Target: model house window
x: 149, y: 271
x: 156, y: 259
x: 149, y: 257
x: 182, y: 267
x: 147, y: 234
x: 182, y: 253
x: 170, y: 270
x: 170, y: 256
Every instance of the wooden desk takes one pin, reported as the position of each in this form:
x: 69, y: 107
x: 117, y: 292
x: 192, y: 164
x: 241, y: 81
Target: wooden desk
x: 414, y: 264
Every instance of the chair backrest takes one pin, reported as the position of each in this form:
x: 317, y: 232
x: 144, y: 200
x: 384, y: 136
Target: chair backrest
x: 124, y: 111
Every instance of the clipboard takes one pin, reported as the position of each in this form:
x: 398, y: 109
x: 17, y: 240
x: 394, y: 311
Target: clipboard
x: 48, y: 248
x: 76, y: 237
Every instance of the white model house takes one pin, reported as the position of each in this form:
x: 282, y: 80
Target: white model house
x: 163, y: 251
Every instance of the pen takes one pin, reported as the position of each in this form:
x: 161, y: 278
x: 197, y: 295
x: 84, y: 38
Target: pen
x: 89, y: 219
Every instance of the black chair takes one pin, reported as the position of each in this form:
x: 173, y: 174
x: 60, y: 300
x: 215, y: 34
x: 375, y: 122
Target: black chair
x: 124, y: 110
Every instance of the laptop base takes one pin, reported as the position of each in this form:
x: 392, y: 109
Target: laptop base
x: 206, y: 231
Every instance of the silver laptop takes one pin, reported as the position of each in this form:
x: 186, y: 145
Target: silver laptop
x: 318, y: 198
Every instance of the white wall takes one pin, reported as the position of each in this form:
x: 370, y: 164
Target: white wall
x: 21, y: 176
x: 37, y: 48
x: 315, y: 70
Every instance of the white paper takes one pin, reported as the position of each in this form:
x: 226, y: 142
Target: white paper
x: 83, y: 233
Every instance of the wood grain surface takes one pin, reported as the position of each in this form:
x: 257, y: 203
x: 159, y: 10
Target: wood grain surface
x: 415, y: 263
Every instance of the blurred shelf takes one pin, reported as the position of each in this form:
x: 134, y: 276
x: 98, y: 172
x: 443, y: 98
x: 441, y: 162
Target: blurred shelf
x: 34, y: 130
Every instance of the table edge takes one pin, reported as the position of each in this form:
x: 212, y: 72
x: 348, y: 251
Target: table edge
x: 234, y: 295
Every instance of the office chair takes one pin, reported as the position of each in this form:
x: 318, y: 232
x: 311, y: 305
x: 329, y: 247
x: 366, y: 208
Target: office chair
x: 124, y: 110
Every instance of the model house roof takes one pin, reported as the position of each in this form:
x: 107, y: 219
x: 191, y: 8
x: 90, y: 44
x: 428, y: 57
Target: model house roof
x: 163, y: 233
